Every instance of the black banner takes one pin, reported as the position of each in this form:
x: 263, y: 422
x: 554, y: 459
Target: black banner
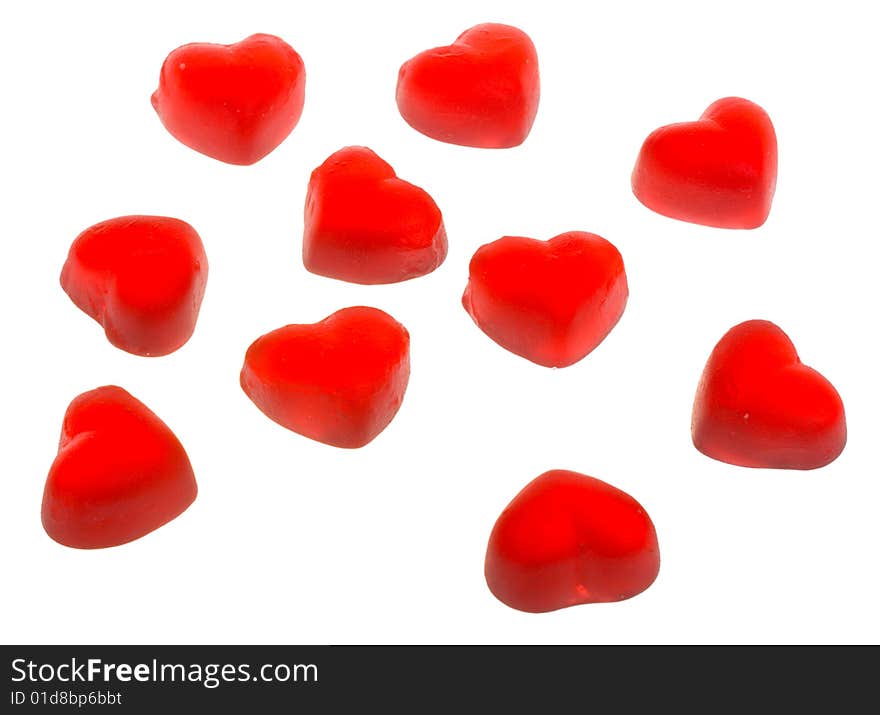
x: 118, y: 679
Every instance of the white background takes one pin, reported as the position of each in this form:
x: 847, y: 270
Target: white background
x: 291, y: 541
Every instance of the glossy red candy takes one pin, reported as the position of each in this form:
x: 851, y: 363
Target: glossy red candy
x: 339, y: 381
x: 758, y: 405
x: 120, y: 473
x: 551, y: 302
x: 482, y: 90
x: 142, y: 278
x: 236, y: 102
x: 365, y: 225
x: 719, y: 171
x: 568, y: 539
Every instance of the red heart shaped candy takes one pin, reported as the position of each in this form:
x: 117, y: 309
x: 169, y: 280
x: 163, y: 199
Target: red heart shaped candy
x: 568, y: 539
x: 552, y: 302
x: 365, y: 225
x: 120, y: 473
x: 719, y: 171
x: 482, y: 90
x: 339, y: 381
x: 142, y: 278
x: 757, y: 405
x: 236, y: 102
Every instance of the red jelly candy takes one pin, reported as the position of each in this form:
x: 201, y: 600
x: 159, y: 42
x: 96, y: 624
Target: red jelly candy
x: 552, y: 302
x: 339, y: 381
x: 757, y: 405
x: 235, y: 103
x: 568, y: 539
x: 719, y: 171
x: 120, y: 473
x: 142, y: 278
x: 482, y: 90
x: 364, y: 225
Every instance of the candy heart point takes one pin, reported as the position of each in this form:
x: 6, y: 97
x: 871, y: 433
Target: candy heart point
x: 235, y: 103
x: 120, y: 473
x: 568, y: 539
x: 758, y: 406
x: 481, y: 91
x: 551, y: 302
x: 142, y: 278
x: 339, y: 381
x: 365, y: 225
x: 718, y: 171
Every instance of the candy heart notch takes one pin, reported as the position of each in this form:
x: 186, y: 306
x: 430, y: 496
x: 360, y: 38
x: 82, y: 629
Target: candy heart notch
x: 719, y: 171
x: 365, y: 225
x: 339, y: 381
x: 481, y: 91
x: 142, y: 278
x: 552, y: 302
x: 120, y: 473
x: 234, y: 103
x: 757, y: 405
x: 568, y: 539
